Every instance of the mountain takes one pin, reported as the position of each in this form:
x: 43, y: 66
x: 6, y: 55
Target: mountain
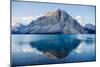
x: 54, y: 22
x: 90, y: 28
x: 18, y: 28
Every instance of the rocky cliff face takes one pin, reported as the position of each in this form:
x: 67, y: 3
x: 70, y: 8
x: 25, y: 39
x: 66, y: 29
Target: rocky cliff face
x: 57, y: 21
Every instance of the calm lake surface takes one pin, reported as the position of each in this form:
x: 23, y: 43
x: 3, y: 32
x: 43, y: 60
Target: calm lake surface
x: 49, y: 49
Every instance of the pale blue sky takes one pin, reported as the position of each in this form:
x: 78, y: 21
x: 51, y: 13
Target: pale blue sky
x: 86, y: 14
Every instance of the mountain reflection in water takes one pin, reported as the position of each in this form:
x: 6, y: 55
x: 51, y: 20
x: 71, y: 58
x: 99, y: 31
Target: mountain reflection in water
x: 50, y: 49
x: 56, y: 48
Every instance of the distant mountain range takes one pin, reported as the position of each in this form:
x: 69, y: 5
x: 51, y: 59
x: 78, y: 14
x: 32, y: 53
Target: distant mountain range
x: 90, y: 28
x: 54, y: 22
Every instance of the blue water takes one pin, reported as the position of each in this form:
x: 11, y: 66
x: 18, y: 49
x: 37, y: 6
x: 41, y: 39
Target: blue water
x: 30, y: 49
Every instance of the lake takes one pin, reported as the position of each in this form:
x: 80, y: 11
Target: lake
x: 51, y: 49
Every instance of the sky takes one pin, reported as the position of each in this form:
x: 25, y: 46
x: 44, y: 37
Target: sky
x: 25, y: 12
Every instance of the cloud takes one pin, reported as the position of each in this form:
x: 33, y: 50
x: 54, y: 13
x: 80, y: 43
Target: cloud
x: 30, y: 18
x: 22, y: 48
x: 79, y: 48
x: 28, y: 48
x: 25, y: 48
x: 15, y: 21
x: 16, y: 47
x: 80, y: 19
x: 27, y: 20
x: 23, y: 20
